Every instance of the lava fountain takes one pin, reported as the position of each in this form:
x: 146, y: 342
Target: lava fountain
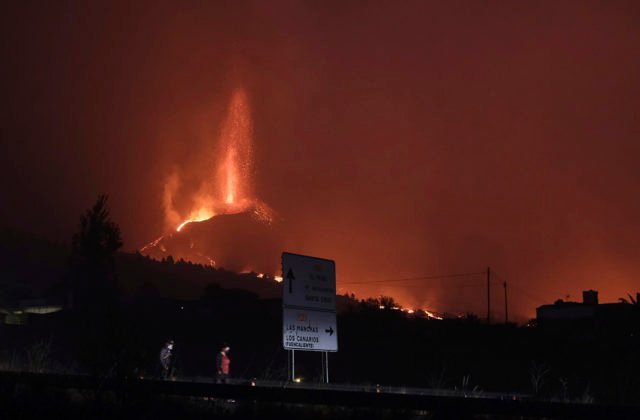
x: 227, y: 189
x: 236, y: 163
x: 224, y: 190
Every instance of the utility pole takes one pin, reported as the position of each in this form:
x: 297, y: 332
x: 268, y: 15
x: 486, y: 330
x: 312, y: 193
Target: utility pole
x: 506, y: 308
x: 293, y: 365
x: 326, y: 366
x: 488, y: 295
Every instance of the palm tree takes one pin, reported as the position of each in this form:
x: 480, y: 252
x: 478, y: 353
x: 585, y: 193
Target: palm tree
x: 631, y: 300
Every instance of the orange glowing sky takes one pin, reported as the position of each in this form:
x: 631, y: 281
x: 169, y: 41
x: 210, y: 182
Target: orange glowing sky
x: 400, y: 139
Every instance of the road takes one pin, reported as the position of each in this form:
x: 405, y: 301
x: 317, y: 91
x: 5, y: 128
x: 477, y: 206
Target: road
x: 335, y: 395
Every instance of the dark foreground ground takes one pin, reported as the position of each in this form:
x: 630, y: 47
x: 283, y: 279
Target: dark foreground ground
x: 52, y: 396
x: 69, y: 404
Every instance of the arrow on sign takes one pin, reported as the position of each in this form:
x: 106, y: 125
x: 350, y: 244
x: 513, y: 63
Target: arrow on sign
x: 291, y: 278
x: 329, y: 330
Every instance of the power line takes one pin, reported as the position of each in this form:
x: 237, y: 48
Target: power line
x: 445, y: 276
x: 493, y: 278
x: 437, y: 286
x: 531, y: 296
x: 521, y: 290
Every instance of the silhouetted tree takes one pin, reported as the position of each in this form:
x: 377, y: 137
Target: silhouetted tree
x: 388, y: 302
x: 93, y: 249
x: 99, y: 237
x: 95, y: 292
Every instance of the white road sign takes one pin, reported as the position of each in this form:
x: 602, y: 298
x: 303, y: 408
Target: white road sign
x: 309, y: 282
x: 309, y: 330
x: 308, y: 303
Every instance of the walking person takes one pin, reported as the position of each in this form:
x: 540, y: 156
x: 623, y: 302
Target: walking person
x: 223, y: 364
x: 165, y: 359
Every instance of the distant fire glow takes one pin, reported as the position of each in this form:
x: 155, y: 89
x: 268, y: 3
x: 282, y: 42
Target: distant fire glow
x: 409, y: 311
x: 431, y: 315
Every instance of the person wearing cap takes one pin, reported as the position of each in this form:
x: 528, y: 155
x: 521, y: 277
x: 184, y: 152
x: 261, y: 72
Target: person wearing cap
x: 165, y: 359
x: 223, y: 364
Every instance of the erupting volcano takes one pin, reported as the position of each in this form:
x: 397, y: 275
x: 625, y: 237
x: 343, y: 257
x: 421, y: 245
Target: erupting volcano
x: 223, y: 225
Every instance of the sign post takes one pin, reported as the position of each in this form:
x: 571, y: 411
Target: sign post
x: 309, y: 306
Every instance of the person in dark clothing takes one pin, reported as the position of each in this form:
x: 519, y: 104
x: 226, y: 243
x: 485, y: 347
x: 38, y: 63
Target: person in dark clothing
x: 223, y: 365
x: 165, y: 359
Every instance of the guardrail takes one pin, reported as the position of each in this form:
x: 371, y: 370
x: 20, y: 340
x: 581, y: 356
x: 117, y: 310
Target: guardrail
x: 373, y: 397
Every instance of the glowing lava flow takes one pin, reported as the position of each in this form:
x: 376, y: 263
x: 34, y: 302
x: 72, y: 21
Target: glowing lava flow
x: 201, y: 215
x: 432, y: 315
x: 182, y: 225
